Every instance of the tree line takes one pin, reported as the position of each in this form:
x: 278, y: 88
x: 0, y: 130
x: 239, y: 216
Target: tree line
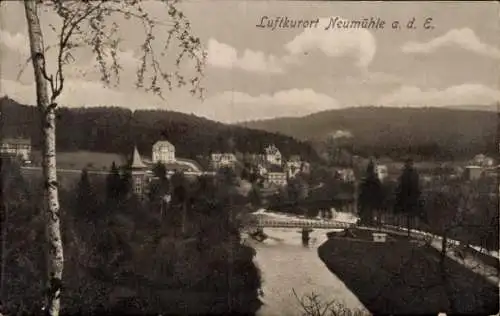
x: 423, y: 133
x: 115, y: 130
x: 452, y: 208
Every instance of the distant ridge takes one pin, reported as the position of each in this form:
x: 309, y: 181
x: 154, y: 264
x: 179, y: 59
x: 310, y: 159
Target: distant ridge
x: 489, y: 108
x: 384, y: 129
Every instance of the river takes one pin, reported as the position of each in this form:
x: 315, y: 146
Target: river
x: 287, y: 265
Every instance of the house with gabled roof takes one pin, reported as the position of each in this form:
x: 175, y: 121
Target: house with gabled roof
x: 16, y: 147
x: 273, y: 155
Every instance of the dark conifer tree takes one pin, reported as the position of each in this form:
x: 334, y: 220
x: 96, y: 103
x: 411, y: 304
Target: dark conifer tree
x: 125, y: 184
x: 408, y: 194
x: 160, y: 171
x: 370, y: 195
x: 113, y: 183
x: 84, y: 196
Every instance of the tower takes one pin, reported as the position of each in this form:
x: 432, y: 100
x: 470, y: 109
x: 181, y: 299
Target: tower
x: 138, y: 173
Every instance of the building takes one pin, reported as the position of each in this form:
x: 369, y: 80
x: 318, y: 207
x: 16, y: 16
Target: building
x: 483, y: 161
x: 139, y: 174
x: 273, y: 155
x: 17, y: 147
x: 163, y: 151
x: 382, y: 172
x: 473, y: 172
x: 220, y: 160
x: 261, y: 170
x: 305, y: 167
x: 492, y: 172
x: 276, y: 177
x: 346, y: 174
x: 292, y: 169
x: 293, y: 166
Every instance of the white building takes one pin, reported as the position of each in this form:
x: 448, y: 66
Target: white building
x: 219, y: 160
x: 346, y: 174
x: 273, y: 155
x: 483, y: 161
x: 278, y: 178
x: 305, y: 168
x: 163, y: 151
x: 16, y: 147
x: 261, y: 170
x: 293, y: 166
x: 382, y: 172
x: 473, y: 172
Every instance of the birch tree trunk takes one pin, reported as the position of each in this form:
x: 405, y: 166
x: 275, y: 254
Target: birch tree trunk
x: 4, y: 225
x: 54, y: 249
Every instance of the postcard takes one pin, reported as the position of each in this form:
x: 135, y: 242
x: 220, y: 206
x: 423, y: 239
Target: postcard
x: 249, y: 157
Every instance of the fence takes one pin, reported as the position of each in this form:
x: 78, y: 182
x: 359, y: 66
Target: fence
x: 418, y: 227
x: 300, y: 224
x: 400, y: 220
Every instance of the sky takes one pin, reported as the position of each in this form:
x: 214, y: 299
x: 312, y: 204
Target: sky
x: 257, y: 73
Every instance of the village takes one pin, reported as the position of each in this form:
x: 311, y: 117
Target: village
x: 272, y: 169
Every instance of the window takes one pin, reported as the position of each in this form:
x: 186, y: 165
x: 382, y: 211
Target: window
x: 138, y: 186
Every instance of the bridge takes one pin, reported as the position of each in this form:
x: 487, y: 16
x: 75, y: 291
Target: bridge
x: 262, y: 221
x: 301, y: 224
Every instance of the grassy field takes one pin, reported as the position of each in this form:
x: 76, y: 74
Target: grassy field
x: 85, y: 159
x: 67, y: 180
x: 403, y: 277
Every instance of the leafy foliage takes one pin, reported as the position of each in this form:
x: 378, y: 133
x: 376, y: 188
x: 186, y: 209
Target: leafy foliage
x: 129, y: 253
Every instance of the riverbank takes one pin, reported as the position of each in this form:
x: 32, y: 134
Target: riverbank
x: 405, y: 277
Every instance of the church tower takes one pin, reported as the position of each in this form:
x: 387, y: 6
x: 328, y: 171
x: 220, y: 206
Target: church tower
x: 138, y: 173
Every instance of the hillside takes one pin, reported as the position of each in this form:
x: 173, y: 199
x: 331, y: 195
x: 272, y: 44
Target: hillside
x: 394, y: 131
x: 116, y: 130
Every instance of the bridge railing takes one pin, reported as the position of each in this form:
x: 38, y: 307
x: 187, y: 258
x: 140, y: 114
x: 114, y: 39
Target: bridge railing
x: 300, y: 224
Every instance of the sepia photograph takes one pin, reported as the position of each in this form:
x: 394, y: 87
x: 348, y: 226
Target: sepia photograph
x: 260, y: 158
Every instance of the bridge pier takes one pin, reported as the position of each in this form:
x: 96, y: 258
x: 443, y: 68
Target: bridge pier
x: 305, y: 235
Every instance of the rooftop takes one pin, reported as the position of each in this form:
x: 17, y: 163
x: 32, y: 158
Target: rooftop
x: 163, y: 143
x: 136, y: 160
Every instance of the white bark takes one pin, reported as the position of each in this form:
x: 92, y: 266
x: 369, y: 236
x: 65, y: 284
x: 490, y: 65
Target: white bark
x: 4, y: 225
x: 54, y: 253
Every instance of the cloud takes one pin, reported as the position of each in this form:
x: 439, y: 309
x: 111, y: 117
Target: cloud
x: 17, y: 42
x: 225, y: 56
x: 238, y: 106
x: 126, y: 59
x: 465, y: 38
x: 351, y: 42
x: 335, y: 43
x: 78, y: 93
x: 465, y: 94
x: 226, y: 106
x: 377, y: 78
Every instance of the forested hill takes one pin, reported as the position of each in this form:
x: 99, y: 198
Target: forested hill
x: 393, y: 131
x: 116, y: 130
